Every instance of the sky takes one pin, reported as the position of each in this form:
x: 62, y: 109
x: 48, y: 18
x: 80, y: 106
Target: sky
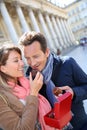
x: 62, y: 3
x: 66, y: 2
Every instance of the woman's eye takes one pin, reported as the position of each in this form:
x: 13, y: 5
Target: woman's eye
x: 16, y: 61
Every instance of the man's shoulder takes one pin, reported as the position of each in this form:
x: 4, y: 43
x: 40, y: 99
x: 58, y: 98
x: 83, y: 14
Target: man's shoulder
x: 63, y: 59
x: 65, y: 62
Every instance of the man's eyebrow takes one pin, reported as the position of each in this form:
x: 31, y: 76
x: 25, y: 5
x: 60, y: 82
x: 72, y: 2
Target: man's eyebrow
x: 26, y: 56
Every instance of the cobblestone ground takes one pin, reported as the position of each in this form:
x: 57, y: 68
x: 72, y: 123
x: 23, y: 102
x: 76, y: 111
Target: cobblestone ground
x: 80, y: 55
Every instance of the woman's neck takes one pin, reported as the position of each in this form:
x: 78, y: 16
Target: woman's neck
x: 14, y: 80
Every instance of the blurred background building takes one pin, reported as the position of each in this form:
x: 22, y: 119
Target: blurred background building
x: 77, y: 17
x: 19, y: 16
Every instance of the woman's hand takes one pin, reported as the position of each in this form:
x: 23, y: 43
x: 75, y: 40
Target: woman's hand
x: 36, y: 84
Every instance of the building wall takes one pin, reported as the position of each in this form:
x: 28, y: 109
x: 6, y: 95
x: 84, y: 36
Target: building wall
x: 77, y: 17
x: 19, y: 16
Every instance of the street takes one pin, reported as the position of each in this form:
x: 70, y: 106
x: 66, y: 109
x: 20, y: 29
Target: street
x: 80, y: 55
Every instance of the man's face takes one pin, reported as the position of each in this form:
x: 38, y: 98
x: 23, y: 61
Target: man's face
x: 36, y: 58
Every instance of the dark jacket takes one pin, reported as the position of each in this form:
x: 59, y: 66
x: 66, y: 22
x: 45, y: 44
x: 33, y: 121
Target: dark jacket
x: 66, y: 72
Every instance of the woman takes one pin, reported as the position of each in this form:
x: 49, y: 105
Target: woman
x: 19, y: 97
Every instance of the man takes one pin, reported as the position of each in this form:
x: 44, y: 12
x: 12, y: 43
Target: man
x: 62, y: 72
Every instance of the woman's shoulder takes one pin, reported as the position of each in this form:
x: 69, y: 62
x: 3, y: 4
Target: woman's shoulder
x: 3, y: 98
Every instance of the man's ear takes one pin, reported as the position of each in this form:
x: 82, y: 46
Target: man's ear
x: 47, y: 52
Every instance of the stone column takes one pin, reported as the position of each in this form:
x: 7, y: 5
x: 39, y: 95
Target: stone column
x: 8, y: 22
x: 34, y: 21
x: 68, y: 32
x: 62, y: 32
x: 64, y: 29
x: 57, y: 32
x: 46, y: 32
x: 71, y: 33
x: 54, y: 36
x: 25, y: 26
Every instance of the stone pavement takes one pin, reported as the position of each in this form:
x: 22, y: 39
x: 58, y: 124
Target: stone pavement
x: 79, y: 53
x: 69, y: 49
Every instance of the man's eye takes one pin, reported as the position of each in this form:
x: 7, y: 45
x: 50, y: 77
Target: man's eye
x: 36, y: 56
x: 27, y: 58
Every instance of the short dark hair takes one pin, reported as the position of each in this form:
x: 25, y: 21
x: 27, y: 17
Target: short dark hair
x: 29, y: 37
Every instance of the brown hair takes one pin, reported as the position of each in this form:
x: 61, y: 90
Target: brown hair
x: 4, y: 53
x: 29, y: 37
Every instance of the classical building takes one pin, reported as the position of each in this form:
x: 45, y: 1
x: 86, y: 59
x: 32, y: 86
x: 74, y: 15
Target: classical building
x: 77, y: 17
x: 19, y: 16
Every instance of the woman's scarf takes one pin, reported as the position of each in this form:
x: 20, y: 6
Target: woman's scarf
x: 22, y: 91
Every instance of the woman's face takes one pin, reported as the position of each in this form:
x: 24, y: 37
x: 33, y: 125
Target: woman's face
x: 14, y: 66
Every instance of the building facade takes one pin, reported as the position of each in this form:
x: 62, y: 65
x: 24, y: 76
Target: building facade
x: 19, y: 16
x: 77, y: 17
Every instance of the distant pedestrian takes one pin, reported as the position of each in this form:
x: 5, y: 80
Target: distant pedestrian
x: 58, y: 51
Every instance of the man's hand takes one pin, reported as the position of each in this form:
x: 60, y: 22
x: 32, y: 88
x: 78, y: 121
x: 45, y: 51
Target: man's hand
x: 67, y: 89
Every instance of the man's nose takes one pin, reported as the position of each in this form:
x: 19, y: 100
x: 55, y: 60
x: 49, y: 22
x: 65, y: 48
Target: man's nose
x: 33, y: 62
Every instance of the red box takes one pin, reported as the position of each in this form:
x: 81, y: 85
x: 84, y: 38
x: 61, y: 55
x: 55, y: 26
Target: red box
x: 61, y: 114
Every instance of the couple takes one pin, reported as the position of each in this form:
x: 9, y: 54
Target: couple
x: 19, y: 97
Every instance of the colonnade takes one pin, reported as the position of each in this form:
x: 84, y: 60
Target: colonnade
x: 56, y: 29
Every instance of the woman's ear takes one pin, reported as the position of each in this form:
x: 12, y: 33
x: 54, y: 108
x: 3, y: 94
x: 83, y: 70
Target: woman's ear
x: 3, y: 69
